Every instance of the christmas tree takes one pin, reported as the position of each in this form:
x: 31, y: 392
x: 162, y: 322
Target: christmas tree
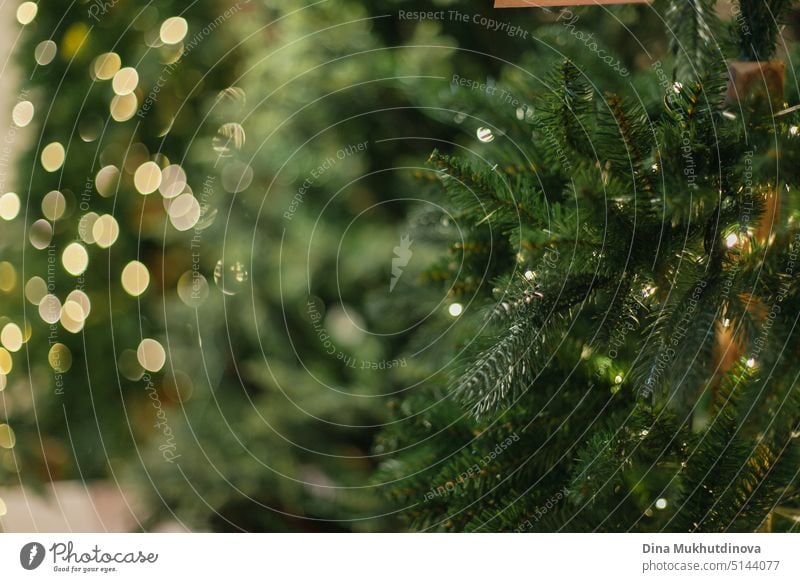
x: 224, y: 264
x: 97, y: 221
x: 623, y: 295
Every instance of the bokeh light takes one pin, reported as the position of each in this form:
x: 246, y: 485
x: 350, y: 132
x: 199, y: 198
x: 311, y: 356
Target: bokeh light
x: 26, y: 12
x: 9, y: 206
x: 173, y: 30
x: 135, y: 278
x: 11, y: 337
x: 53, y: 156
x: 105, y: 231
x: 75, y: 258
x: 125, y: 81
x: 147, y: 178
x: 106, y: 66
x: 22, y: 114
x: 151, y: 355
x: 60, y: 358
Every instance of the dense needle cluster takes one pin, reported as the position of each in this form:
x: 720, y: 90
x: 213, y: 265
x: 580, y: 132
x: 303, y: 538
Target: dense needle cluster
x: 632, y: 316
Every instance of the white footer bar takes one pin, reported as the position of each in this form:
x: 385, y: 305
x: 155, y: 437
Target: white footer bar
x: 401, y: 557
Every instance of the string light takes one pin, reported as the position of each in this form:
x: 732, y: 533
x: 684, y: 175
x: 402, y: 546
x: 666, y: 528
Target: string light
x: 78, y: 304
x: 151, y: 355
x: 173, y: 30
x: 9, y: 206
x: 11, y: 337
x: 72, y: 317
x: 7, y: 437
x: 27, y: 12
x: 147, y: 178
x: 125, y: 81
x: 22, y: 114
x: 484, y: 134
x: 60, y: 358
x: 45, y: 52
x: 123, y: 107
x: 75, y: 259
x: 105, y: 66
x: 455, y: 309
x: 8, y: 277
x: 135, y: 278
x: 105, y: 231
x: 85, y: 225
x: 52, y: 157
x: 107, y: 180
x: 50, y: 309
x: 35, y: 290
x: 6, y: 362
x: 54, y: 204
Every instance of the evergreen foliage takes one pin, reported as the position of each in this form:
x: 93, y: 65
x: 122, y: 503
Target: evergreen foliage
x: 694, y: 32
x: 759, y: 27
x: 588, y: 389
x: 600, y: 240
